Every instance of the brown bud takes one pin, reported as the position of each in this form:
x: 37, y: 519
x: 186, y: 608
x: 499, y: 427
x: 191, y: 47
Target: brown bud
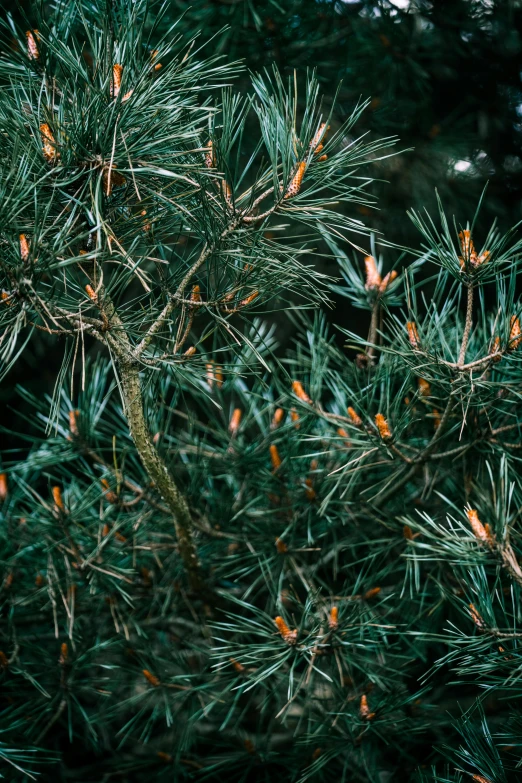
x: 4, y: 491
x: 32, y: 48
x: 281, y: 546
x: 151, y: 678
x: 373, y: 278
x: 274, y: 457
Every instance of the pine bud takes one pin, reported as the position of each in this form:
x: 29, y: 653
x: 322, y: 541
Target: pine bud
x: 39, y: 580
x: 424, y: 387
x: 356, y: 419
x: 117, y: 71
x: 477, y: 527
x: 342, y: 433
x: 480, y: 779
x: 289, y: 636
x: 32, y: 48
x: 111, y: 496
x: 58, y: 501
x: 333, y: 618
x: 249, y: 299
x: 49, y: 150
x: 165, y: 757
x: 190, y: 352
x: 151, y: 678
x: 295, y: 418
x: 295, y: 184
x: 235, y: 420
x: 413, y: 335
x: 317, y: 752
x: 322, y: 158
x: 373, y: 278
x: 371, y: 593
x: 210, y: 160
x: 297, y: 388
x: 515, y: 335
x: 4, y: 661
x: 274, y: 457
x: 281, y: 546
x: 383, y: 427
x: 407, y: 532
x: 64, y: 653
x: 310, y: 492
x: 387, y: 279
x: 195, y: 296
x: 364, y: 710
x: 475, y: 616
x: 436, y: 419
x: 73, y: 422
x: 3, y: 487
x: 496, y: 349
x: 319, y: 136
x: 237, y: 666
x: 278, y: 417
x: 24, y: 247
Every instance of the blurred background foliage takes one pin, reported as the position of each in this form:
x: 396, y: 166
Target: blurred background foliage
x: 443, y: 76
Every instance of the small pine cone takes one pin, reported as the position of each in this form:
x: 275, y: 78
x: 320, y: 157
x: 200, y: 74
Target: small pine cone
x: 383, y: 427
x: 249, y: 299
x: 117, y: 71
x: 32, y: 47
x: 73, y: 422
x: 356, y: 419
x: 49, y: 150
x: 468, y: 248
x: 387, y: 279
x: 373, y: 278
x: 515, y: 334
x: 481, y: 779
x: 274, y: 457
x: 288, y: 635
x: 195, y: 296
x: 91, y: 293
x: 333, y: 618
x: 315, y: 144
x: 235, y: 420
x: 295, y: 184
x: 24, y: 247
x: 309, y: 490
x: 297, y: 388
x: 364, y: 710
x: 496, y: 349
x: 413, y: 335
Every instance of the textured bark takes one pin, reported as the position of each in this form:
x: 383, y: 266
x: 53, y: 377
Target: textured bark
x: 158, y: 471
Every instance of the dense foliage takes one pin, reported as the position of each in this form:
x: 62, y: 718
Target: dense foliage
x: 220, y: 563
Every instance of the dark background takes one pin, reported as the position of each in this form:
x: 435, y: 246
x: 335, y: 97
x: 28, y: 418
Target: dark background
x: 444, y: 76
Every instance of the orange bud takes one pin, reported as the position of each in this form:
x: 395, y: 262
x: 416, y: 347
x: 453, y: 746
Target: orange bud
x: 387, y: 279
x: 91, y: 293
x: 436, y: 419
x: 278, y: 417
x: 295, y: 184
x: 275, y: 458
x: 478, y: 528
x: 4, y: 661
x: 166, y: 757
x: 151, y: 678
x: 424, y: 387
x: 249, y: 299
x: 24, y: 247
x: 413, y: 335
x: 109, y: 494
x: 281, y: 546
x: 190, y: 351
x: 371, y: 593
x: 237, y: 666
x: 364, y: 710
x: 289, y: 636
x: 249, y: 746
x: 297, y: 388
x: 319, y: 136
x: 49, y: 150
x: 309, y: 491
x: 210, y: 160
x: 373, y: 278
x: 195, y: 295
x: 407, y: 532
x: 495, y: 348
x: 475, y: 616
x: 235, y: 420
x: 317, y: 752
x: 117, y: 71
x: 322, y: 158
x: 57, y: 497
x: 356, y: 419
x: 480, y: 779
x: 383, y: 427
x: 64, y: 653
x: 32, y: 48
x: 3, y: 486
x: 333, y: 618
x: 39, y: 580
x: 73, y: 422
x: 295, y: 418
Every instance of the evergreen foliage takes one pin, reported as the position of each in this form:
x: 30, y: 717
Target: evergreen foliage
x: 217, y: 564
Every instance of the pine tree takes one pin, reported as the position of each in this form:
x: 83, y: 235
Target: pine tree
x: 219, y: 564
